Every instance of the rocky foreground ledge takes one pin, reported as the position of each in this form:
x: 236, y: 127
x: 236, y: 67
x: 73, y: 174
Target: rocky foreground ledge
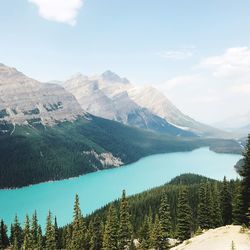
x: 222, y: 238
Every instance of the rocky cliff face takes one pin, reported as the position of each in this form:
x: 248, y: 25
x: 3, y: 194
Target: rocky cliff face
x: 27, y: 101
x: 90, y: 97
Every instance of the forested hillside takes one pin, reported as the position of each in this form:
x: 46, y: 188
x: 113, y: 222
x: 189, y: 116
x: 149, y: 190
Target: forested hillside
x: 33, y: 154
x: 192, y: 202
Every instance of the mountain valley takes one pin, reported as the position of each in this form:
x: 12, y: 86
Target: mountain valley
x: 45, y: 130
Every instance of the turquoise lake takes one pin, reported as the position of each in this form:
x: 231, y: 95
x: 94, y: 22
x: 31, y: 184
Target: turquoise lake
x: 99, y: 188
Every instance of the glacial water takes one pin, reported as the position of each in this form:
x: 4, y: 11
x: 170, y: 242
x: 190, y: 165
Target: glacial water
x: 99, y: 188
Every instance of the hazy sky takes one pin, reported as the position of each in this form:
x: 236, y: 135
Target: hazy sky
x: 197, y: 52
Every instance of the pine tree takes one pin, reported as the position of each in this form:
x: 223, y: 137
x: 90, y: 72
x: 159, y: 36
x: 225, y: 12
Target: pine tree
x: 202, y: 207
x: 95, y: 234
x: 50, y: 238
x: 27, y: 240
x: 56, y: 234
x: 237, y: 205
x: 124, y: 234
x: 89, y: 234
x: 156, y: 236
x: 15, y: 245
x: 110, y: 237
x: 79, y: 228
x: 245, y: 174
x: 34, y: 230
x: 1, y: 242
x: 226, y: 203
x: 145, y: 231
x: 144, y: 245
x: 184, y: 216
x: 16, y: 236
x: 216, y: 215
x: 40, y: 245
x: 165, y: 222
x: 4, y: 240
x: 205, y: 206
x: 209, y: 203
x: 68, y: 237
x: 151, y: 223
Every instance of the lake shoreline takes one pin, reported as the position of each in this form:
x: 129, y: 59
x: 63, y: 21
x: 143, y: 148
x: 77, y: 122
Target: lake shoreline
x: 99, y: 188
x: 78, y: 176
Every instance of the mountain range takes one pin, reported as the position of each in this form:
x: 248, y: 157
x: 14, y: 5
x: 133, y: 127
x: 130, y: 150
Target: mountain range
x: 47, y: 133
x: 237, y: 124
x: 234, y: 122
x: 115, y: 98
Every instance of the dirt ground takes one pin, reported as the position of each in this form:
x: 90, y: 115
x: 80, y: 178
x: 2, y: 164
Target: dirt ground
x: 221, y: 238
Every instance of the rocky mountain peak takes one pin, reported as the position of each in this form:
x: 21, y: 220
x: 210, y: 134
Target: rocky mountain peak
x: 109, y: 76
x: 8, y: 72
x: 79, y: 76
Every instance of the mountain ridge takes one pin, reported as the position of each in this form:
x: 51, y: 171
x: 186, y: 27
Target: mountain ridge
x: 100, y: 97
x: 24, y: 100
x: 111, y: 101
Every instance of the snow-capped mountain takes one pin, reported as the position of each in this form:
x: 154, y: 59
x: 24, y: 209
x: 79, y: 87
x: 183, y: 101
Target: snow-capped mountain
x: 112, y: 97
x: 24, y: 100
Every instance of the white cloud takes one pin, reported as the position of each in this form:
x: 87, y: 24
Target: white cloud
x: 176, y: 54
x: 235, y: 62
x: 182, y: 81
x: 217, y: 88
x: 241, y: 89
x: 64, y: 11
x: 205, y: 99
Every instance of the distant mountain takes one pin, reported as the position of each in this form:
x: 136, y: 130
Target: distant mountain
x: 107, y: 96
x: 156, y: 102
x: 115, y: 98
x: 109, y: 76
x: 246, y: 128
x: 242, y: 131
x: 234, y: 122
x: 239, y: 125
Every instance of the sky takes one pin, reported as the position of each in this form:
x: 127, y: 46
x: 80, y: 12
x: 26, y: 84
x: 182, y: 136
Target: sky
x: 196, y: 52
